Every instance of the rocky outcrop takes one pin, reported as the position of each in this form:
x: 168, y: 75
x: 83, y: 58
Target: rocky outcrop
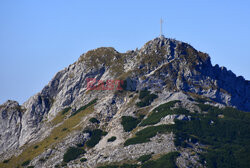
x: 10, y: 126
x: 179, y: 67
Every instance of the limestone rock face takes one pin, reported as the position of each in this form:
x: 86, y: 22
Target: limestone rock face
x: 10, y: 126
x: 172, y: 69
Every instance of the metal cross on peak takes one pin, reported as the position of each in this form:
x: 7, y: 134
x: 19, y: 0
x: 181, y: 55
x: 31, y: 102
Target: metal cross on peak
x: 161, y: 22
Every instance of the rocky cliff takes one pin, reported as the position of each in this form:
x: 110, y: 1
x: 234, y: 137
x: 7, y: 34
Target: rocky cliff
x: 66, y: 113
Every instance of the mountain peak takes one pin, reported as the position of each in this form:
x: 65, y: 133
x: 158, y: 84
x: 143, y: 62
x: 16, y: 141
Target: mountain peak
x: 164, y: 81
x: 160, y: 41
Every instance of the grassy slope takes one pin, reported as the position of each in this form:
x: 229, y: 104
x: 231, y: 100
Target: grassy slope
x: 57, y: 134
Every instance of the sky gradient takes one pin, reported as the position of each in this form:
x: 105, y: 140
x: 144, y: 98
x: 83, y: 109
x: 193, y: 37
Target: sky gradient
x: 40, y: 37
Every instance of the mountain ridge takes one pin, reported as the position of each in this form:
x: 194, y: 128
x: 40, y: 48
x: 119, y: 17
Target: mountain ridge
x: 180, y: 71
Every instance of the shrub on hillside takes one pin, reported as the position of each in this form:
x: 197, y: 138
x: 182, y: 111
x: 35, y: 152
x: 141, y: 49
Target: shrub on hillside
x: 146, y: 98
x: 112, y: 139
x: 96, y: 136
x: 129, y: 123
x: 144, y: 158
x: 94, y: 120
x: 72, y: 153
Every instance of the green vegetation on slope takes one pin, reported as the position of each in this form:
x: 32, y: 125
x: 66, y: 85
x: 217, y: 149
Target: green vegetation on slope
x: 224, y: 131
x: 84, y: 107
x: 96, y: 136
x: 6, y: 161
x: 25, y: 163
x: 72, y: 153
x: 129, y: 123
x: 112, y: 139
x: 94, y: 120
x: 165, y: 161
x: 83, y: 159
x: 144, y: 158
x: 146, y: 98
x: 109, y: 166
x: 160, y: 112
x: 147, y: 133
x: 144, y: 93
x: 228, y: 137
x: 121, y: 166
x: 60, y: 116
x: 66, y: 110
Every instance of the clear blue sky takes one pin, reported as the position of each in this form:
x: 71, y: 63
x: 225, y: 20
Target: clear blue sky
x: 40, y: 37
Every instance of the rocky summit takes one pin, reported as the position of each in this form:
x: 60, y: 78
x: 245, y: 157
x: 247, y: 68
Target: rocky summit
x: 164, y: 105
